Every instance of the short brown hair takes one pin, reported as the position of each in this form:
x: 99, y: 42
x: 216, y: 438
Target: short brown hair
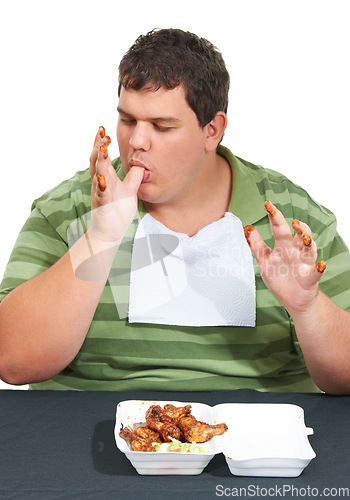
x: 172, y: 57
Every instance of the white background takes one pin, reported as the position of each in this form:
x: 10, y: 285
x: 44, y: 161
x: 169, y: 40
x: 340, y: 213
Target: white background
x: 289, y: 100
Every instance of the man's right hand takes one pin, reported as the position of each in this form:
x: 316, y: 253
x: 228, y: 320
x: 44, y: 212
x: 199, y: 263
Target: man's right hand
x: 113, y: 202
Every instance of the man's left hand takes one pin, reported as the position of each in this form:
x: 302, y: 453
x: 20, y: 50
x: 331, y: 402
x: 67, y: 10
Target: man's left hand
x: 289, y: 270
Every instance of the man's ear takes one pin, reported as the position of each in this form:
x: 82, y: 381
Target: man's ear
x: 215, y: 130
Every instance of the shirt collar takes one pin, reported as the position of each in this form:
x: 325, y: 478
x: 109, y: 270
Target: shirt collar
x: 246, y: 201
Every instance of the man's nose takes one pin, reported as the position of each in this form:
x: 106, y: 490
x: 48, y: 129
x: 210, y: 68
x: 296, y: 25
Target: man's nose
x: 140, y: 138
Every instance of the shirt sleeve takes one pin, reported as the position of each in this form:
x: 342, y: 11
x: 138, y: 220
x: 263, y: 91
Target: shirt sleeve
x: 335, y: 282
x: 37, y: 248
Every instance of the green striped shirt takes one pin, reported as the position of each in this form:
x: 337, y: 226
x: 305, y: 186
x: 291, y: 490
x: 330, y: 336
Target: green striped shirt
x: 118, y: 355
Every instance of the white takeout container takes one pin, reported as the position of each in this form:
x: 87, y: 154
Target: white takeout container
x: 266, y: 439
x: 262, y: 439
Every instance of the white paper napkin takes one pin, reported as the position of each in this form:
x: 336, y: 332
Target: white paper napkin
x: 204, y: 280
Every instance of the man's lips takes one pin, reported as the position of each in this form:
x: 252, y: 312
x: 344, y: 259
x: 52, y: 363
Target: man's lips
x: 146, y: 173
x: 136, y: 163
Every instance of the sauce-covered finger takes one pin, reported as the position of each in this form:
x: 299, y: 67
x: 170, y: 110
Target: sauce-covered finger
x: 100, y: 138
x: 280, y: 227
x: 321, y: 266
x: 297, y: 227
x: 307, y: 240
x: 104, y: 151
x: 269, y: 208
x: 247, y: 232
x: 101, y: 182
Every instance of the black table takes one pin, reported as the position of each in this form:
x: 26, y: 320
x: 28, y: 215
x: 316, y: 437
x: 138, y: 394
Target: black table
x: 60, y: 445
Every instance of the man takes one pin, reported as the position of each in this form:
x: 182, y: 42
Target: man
x: 59, y: 324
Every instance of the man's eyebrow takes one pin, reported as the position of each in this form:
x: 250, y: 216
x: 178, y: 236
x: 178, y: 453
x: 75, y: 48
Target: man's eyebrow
x: 168, y: 119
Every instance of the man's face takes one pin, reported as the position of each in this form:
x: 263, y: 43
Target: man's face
x: 159, y: 131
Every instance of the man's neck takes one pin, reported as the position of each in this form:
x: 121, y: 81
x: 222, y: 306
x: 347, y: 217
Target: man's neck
x: 206, y: 205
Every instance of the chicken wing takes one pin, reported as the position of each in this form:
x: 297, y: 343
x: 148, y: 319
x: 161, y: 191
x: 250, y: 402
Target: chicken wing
x: 176, y: 412
x: 147, y: 434
x: 199, y: 432
x: 160, y: 421
x: 167, y: 431
x: 137, y: 443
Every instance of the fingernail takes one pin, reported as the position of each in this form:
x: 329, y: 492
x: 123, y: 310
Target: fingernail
x: 104, y: 151
x: 101, y: 182
x: 307, y: 240
x: 107, y: 140
x: 321, y: 266
x: 248, y: 231
x: 269, y: 208
x: 102, y: 131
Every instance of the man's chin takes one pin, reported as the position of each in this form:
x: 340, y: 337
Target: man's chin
x: 146, y: 193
